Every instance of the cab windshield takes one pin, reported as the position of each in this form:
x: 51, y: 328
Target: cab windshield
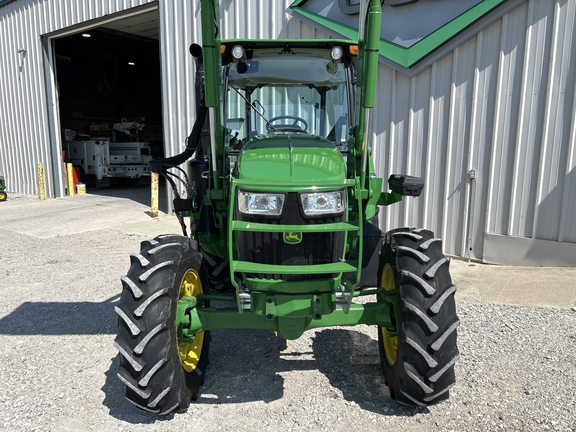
x: 287, y: 93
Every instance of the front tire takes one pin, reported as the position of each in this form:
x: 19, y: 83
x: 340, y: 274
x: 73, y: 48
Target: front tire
x: 161, y: 374
x: 3, y: 196
x: 418, y: 359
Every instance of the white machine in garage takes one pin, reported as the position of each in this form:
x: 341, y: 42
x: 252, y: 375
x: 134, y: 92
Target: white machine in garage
x: 102, y: 158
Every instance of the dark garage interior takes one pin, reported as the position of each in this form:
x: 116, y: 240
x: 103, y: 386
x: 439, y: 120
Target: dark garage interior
x: 112, y: 75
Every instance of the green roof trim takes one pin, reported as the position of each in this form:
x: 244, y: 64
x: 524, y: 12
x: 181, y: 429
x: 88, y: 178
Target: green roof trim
x: 408, y: 57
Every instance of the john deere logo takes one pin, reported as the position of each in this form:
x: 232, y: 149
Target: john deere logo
x: 292, y: 237
x: 411, y: 29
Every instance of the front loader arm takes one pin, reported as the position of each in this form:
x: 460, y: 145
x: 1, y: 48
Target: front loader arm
x: 210, y: 14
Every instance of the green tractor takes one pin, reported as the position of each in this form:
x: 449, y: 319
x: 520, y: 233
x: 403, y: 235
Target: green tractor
x: 280, y: 197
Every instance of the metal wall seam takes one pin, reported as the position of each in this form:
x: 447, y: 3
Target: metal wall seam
x: 409, y: 149
x: 499, y: 116
x: 474, y: 119
x: 450, y: 146
x: 381, y: 147
x: 392, y: 145
x: 425, y: 197
x: 27, y: 65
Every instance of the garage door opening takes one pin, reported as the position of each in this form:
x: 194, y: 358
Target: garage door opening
x: 110, y: 102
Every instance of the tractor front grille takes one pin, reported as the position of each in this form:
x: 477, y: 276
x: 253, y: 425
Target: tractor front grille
x: 270, y: 248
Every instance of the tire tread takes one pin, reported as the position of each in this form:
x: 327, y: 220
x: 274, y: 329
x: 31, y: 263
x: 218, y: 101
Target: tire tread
x: 423, y: 372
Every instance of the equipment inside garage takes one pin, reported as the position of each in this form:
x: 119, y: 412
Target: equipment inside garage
x: 109, y: 87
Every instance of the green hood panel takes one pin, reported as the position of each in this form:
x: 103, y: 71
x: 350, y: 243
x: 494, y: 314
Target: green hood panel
x: 283, y: 158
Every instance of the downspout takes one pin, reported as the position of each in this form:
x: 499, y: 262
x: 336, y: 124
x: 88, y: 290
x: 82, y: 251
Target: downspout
x: 469, y: 222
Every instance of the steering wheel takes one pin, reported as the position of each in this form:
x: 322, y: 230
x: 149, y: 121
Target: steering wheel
x: 294, y: 127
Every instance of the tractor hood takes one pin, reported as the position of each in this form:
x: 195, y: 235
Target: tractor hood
x: 283, y: 158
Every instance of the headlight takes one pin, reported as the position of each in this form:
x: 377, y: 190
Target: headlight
x: 253, y: 203
x: 322, y: 203
x: 237, y: 52
x: 336, y: 53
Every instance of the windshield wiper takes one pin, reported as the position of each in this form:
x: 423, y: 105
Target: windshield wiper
x: 253, y: 106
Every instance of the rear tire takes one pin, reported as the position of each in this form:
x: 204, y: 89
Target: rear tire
x: 418, y: 361
x: 161, y: 374
x: 3, y: 196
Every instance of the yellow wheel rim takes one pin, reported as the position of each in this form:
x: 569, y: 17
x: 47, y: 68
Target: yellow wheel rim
x: 2, y: 196
x: 390, y: 342
x: 190, y: 352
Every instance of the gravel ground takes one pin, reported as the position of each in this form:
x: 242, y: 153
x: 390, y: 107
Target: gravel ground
x: 517, y: 369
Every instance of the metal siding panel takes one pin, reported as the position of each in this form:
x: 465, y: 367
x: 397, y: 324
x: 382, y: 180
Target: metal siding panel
x: 568, y: 220
x: 548, y: 206
x: 263, y: 19
x: 506, y: 119
x: 397, y: 155
x: 389, y: 214
x: 481, y: 132
x: 178, y: 29
x: 458, y: 145
x: 568, y: 217
x: 416, y: 149
x: 434, y: 199
x: 532, y: 105
x: 24, y: 133
x: 381, y: 131
x: 432, y: 125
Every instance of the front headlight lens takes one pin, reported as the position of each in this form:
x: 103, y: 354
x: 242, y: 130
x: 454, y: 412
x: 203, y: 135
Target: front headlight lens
x: 336, y: 53
x: 322, y: 203
x: 237, y: 52
x: 260, y: 203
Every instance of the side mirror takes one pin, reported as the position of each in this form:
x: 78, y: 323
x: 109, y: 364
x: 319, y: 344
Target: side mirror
x: 406, y: 185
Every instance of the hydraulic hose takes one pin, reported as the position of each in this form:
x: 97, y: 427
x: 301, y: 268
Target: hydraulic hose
x: 192, y: 142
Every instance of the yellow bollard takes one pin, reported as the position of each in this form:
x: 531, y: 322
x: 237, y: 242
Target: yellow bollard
x: 71, y: 185
x: 154, y: 207
x: 41, y: 187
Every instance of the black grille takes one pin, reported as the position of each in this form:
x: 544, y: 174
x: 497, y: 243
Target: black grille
x: 270, y: 248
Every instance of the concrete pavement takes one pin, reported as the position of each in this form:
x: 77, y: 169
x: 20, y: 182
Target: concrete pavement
x: 128, y: 209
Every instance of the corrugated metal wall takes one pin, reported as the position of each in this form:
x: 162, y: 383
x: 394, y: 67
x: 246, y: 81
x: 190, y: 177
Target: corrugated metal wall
x: 502, y: 104
x: 25, y: 138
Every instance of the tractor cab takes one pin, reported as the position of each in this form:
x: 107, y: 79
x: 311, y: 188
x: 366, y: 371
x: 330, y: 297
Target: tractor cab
x: 288, y: 87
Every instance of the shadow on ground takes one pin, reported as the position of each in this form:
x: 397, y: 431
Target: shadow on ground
x: 55, y: 318
x: 247, y: 366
